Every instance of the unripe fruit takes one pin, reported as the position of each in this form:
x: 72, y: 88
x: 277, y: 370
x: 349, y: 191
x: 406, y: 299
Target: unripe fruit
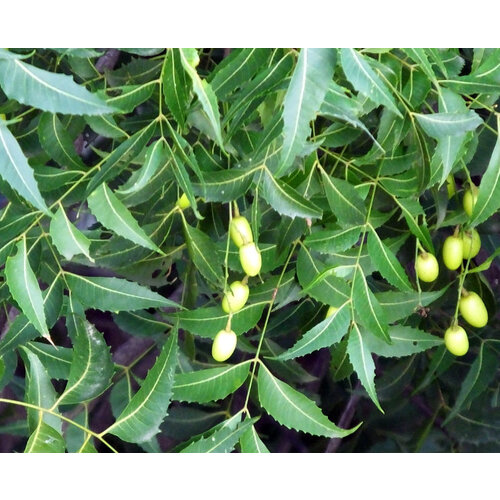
x: 473, y: 310
x: 456, y: 341
x: 453, y: 252
x: 450, y: 185
x: 183, y: 202
x: 240, y: 231
x: 236, y: 298
x: 224, y: 345
x: 472, y: 243
x: 331, y: 310
x: 250, y: 259
x: 427, y: 267
x: 470, y: 198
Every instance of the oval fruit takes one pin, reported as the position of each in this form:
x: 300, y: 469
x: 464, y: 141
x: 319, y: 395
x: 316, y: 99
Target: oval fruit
x: 453, y: 252
x: 250, y: 259
x: 450, y: 185
x: 471, y: 243
x: 473, y: 310
x: 183, y: 202
x: 470, y: 198
x: 331, y: 310
x: 236, y: 298
x: 224, y: 345
x: 427, y: 267
x: 456, y: 341
x: 240, y: 231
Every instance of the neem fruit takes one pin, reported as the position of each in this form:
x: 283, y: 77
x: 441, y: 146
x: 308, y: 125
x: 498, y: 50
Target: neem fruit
x: 453, y: 252
x: 224, y: 345
x: 183, y: 202
x: 456, y: 341
x: 427, y: 267
x: 240, y: 231
x: 236, y: 297
x: 331, y: 310
x: 470, y: 198
x: 250, y: 259
x: 472, y: 309
x: 471, y: 243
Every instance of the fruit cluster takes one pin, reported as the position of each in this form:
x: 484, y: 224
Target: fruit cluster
x: 236, y: 297
x: 464, y: 244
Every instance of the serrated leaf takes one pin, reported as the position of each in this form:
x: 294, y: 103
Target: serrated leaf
x: 23, y: 286
x: 345, y: 202
x: 365, y: 80
x: 411, y: 210
x: 16, y: 172
x: 482, y: 371
x: 56, y: 141
x: 175, y: 86
x: 68, y: 240
x: 250, y: 442
x: 106, y: 126
x: 368, y: 310
x: 303, y: 100
x: 141, y: 418
x: 440, y: 125
x: 206, y: 96
x: 91, y: 367
x: 405, y: 341
x: 488, y: 197
x: 211, y: 384
x: 131, y: 96
x: 294, y: 410
x: 333, y: 241
x: 471, y: 84
x: 56, y: 360
x: 386, y: 262
x: 114, y: 294
x: 45, y: 439
x: 208, y: 321
x: 114, y: 215
x: 203, y: 252
x: 285, y: 200
x: 362, y: 362
x: 324, y: 334
x: 54, y: 92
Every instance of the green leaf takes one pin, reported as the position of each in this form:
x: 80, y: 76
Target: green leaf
x: 337, y: 240
x: 250, y: 442
x: 54, y: 92
x: 205, y: 93
x: 345, y: 202
x: 488, y: 197
x: 56, y: 142
x: 56, y: 360
x: 440, y: 125
x: 412, y: 209
x: 203, y: 252
x: 175, y: 86
x: 324, y: 334
x: 131, y: 96
x: 114, y: 215
x: 68, y: 240
x: 114, y: 294
x: 471, y: 84
x: 141, y: 418
x: 368, y: 310
x: 482, y: 371
x: 45, y: 439
x: 362, y: 362
x: 386, y: 262
x: 211, y: 384
x: 208, y: 321
x: 294, y: 410
x: 285, y: 200
x: 106, y: 126
x: 303, y: 99
x: 365, y: 80
x: 15, y: 170
x: 405, y: 341
x: 23, y: 286
x: 91, y: 367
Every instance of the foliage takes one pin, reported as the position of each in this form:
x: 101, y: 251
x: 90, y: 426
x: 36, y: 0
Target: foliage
x: 347, y: 163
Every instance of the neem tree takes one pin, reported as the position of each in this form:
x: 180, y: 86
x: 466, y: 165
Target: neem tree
x: 202, y: 249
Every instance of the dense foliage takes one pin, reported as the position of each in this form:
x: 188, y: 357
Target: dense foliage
x: 134, y: 319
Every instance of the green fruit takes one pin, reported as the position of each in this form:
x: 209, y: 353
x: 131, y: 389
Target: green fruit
x: 250, y: 259
x: 183, y: 202
x: 473, y: 310
x: 450, y: 185
x: 236, y: 298
x: 427, y: 267
x: 456, y: 341
x: 331, y: 310
x: 240, y: 231
x: 472, y: 243
x: 224, y: 345
x: 470, y: 198
x: 453, y: 252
